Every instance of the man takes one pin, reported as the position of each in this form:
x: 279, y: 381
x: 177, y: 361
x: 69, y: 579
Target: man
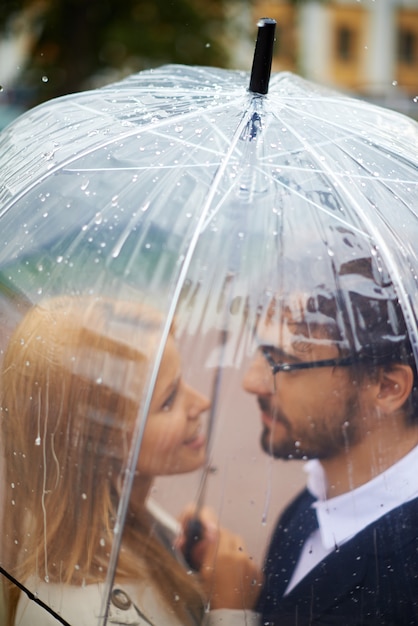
x: 335, y: 381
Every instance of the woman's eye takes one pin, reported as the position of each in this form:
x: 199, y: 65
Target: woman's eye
x: 169, y: 401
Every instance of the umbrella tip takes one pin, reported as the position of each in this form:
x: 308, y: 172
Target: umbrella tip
x: 263, y: 56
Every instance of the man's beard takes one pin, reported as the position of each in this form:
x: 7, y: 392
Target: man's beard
x: 314, y: 439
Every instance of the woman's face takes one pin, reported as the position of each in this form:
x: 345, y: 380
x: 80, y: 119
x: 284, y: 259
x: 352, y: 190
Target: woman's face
x: 173, y: 441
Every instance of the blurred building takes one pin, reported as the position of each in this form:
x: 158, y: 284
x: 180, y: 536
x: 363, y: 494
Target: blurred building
x: 369, y: 47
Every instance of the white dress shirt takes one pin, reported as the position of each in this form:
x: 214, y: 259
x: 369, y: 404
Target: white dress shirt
x: 342, y: 517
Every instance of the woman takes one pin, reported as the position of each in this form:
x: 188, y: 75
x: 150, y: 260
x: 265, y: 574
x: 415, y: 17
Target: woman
x: 74, y: 382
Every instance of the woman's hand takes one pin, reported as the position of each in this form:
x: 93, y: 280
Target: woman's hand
x: 228, y: 574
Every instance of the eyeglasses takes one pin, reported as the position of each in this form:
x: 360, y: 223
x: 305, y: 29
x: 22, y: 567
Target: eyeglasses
x: 306, y: 365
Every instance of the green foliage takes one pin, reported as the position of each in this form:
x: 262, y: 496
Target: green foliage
x: 82, y: 38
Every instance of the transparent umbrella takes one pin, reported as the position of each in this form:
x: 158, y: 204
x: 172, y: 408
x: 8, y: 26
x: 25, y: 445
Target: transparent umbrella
x: 179, y: 198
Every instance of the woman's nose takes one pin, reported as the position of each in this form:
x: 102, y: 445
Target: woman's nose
x: 197, y: 402
x: 258, y: 378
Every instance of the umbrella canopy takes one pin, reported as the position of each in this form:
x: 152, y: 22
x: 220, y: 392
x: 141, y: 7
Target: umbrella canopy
x: 179, y: 190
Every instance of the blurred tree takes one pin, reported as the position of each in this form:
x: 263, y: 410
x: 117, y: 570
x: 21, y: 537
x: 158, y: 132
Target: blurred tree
x: 80, y: 39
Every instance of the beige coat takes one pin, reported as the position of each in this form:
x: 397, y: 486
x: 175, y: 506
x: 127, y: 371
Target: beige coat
x: 133, y: 604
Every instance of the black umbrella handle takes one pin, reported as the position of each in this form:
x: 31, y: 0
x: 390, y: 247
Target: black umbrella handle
x: 263, y: 56
x: 194, y: 533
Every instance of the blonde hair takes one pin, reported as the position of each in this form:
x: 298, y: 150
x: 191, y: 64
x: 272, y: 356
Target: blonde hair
x: 68, y: 414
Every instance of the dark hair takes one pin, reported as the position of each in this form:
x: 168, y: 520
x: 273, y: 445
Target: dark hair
x: 365, y: 318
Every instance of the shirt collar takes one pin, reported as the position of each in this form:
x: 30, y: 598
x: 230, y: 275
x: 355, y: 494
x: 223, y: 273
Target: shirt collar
x: 342, y: 517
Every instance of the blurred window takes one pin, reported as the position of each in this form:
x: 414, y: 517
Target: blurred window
x: 345, y: 44
x: 406, y: 74
x: 407, y: 47
x: 348, y: 31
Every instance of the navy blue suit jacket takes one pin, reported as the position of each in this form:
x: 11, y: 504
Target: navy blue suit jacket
x: 371, y: 579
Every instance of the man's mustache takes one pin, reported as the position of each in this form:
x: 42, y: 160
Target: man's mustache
x: 274, y: 412
x: 264, y: 404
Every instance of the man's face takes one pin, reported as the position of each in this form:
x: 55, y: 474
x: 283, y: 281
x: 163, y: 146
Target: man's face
x: 307, y: 413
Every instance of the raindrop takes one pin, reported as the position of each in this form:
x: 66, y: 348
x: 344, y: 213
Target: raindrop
x: 98, y: 218
x: 415, y: 99
x: 207, y: 45
x: 176, y: 597
x: 99, y: 380
x: 38, y: 441
x: 59, y: 259
x: 395, y: 83
x: 178, y: 128
x: 44, y: 79
x: 1, y: 88
x: 102, y: 542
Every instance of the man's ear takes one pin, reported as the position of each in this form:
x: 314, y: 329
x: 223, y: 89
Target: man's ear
x: 395, y: 387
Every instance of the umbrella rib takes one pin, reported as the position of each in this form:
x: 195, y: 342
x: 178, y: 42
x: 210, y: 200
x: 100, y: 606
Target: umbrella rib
x: 73, y: 158
x: 348, y: 133
x: 137, y: 436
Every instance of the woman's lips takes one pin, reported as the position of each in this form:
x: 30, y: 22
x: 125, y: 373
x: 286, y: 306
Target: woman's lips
x: 196, y: 441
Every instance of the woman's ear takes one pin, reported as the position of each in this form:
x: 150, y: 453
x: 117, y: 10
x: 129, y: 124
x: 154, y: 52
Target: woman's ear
x: 395, y: 387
